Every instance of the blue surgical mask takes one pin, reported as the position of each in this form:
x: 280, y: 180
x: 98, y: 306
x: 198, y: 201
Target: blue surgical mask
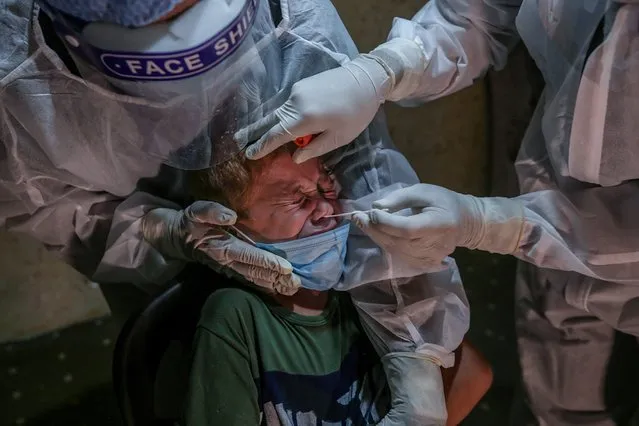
x: 318, y: 260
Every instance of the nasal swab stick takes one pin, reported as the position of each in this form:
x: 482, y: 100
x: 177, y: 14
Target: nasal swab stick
x: 355, y: 212
x: 243, y: 235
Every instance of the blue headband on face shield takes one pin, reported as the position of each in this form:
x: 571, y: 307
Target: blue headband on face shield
x: 318, y: 260
x: 129, y: 13
x: 193, y: 43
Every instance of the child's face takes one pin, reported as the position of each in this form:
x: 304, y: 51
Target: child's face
x: 289, y: 201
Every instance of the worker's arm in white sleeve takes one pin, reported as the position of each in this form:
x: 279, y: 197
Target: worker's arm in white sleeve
x: 415, y: 324
x: 591, y: 231
x: 459, y: 39
x: 97, y: 234
x: 444, y: 48
x: 143, y: 239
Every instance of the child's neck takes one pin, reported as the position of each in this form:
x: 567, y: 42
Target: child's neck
x: 304, y: 302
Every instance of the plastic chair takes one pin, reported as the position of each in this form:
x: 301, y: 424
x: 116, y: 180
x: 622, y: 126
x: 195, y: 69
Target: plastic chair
x: 150, y: 389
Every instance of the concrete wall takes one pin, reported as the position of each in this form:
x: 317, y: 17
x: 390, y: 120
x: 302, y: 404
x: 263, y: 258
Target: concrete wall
x: 38, y: 293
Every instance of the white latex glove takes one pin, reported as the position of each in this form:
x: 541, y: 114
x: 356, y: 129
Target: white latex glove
x: 338, y: 104
x: 194, y: 234
x: 442, y: 220
x: 417, y: 391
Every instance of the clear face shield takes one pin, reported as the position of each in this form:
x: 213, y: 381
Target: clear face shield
x: 178, y: 90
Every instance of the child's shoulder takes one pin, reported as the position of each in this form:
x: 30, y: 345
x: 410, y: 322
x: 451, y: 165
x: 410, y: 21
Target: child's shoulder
x: 232, y: 307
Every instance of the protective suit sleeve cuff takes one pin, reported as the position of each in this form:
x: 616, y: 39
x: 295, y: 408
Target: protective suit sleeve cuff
x: 370, y: 67
x: 436, y: 354
x: 500, y: 225
x: 406, y: 62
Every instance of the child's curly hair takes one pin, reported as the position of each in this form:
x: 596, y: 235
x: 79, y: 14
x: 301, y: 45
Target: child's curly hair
x: 230, y: 182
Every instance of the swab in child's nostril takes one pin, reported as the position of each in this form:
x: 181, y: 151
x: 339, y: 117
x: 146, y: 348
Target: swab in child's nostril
x: 355, y: 212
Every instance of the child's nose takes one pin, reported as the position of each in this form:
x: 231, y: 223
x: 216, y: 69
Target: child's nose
x: 322, y: 209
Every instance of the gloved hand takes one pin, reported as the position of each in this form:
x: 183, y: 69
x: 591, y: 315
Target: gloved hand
x: 442, y: 220
x: 195, y: 234
x: 417, y: 391
x: 337, y: 104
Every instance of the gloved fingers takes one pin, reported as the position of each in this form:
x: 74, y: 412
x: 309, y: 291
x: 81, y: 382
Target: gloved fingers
x: 291, y: 124
x: 430, y: 222
x: 406, y: 227
x: 282, y: 283
x: 362, y: 220
x: 241, y: 252
x: 411, y: 249
x: 407, y: 251
x: 427, y: 260
x: 322, y: 144
x: 254, y: 273
x: 405, y: 198
x: 275, y: 287
x: 286, y: 284
x: 226, y: 249
x: 380, y: 238
x: 256, y: 130
x: 274, y: 138
x: 155, y: 222
x: 210, y: 213
x: 285, y: 129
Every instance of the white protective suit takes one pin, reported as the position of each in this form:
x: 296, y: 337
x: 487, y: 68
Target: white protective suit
x: 577, y: 170
x: 67, y: 180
